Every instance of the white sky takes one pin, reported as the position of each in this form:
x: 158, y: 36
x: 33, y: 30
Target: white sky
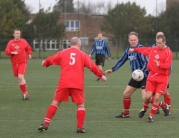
x: 150, y: 5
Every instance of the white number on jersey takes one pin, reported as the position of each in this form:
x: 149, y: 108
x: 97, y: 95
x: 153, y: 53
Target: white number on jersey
x: 72, y: 58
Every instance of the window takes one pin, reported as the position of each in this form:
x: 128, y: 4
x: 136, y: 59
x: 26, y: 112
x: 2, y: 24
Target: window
x: 72, y: 25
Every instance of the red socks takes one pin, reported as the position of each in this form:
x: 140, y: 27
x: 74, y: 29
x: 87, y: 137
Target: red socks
x: 126, y: 104
x: 167, y: 99
x: 80, y: 115
x: 153, y: 110
x: 145, y: 105
x: 51, y: 111
x: 23, y: 88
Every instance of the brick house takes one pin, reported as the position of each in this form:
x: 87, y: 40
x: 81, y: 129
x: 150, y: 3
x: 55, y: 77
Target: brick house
x: 86, y: 27
x: 82, y: 25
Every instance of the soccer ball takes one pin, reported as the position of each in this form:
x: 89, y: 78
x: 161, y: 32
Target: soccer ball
x: 137, y: 75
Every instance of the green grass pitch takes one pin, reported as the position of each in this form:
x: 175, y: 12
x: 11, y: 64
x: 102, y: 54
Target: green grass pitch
x: 20, y: 119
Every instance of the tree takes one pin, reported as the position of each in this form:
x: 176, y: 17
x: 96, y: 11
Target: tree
x: 47, y: 25
x: 89, y: 8
x: 64, y: 6
x: 14, y: 14
x: 168, y: 21
x: 124, y: 18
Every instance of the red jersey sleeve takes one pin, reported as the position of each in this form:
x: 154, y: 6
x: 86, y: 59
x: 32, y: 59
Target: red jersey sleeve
x: 93, y: 68
x: 143, y: 50
x: 28, y: 48
x: 7, y: 50
x: 52, y: 60
x: 167, y: 64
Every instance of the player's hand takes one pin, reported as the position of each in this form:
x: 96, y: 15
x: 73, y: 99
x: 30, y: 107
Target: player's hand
x: 157, y: 63
x: 131, y: 50
x: 43, y: 62
x: 89, y: 55
x: 109, y: 71
x: 109, y: 59
x: 104, y: 78
x: 30, y: 56
x: 14, y: 53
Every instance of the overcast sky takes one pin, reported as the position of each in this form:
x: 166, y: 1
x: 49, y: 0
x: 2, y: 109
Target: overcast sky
x: 150, y: 5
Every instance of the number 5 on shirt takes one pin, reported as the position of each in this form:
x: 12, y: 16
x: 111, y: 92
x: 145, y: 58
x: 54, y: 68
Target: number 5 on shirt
x: 72, y: 58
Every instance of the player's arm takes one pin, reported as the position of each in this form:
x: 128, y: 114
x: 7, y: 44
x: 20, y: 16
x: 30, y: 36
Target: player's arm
x: 9, y: 52
x: 92, y: 50
x: 108, y: 50
x: 168, y: 63
x: 28, y: 50
x: 52, y: 60
x: 93, y: 68
x: 119, y: 63
x: 143, y: 50
x: 144, y: 60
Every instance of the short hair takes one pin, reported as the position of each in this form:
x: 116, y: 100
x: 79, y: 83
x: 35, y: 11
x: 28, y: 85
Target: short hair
x: 75, y: 41
x: 132, y: 33
x: 16, y: 30
x: 159, y: 33
x: 161, y: 37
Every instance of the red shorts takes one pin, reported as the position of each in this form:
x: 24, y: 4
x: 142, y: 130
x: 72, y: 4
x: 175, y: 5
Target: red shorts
x: 62, y: 94
x: 157, y: 83
x: 19, y: 68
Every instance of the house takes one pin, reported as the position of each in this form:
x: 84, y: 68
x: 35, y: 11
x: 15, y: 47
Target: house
x: 86, y: 27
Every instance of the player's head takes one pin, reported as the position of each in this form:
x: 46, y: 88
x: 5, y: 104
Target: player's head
x: 100, y: 36
x: 75, y: 42
x: 160, y: 41
x: 17, y: 34
x: 159, y: 33
x: 133, y: 39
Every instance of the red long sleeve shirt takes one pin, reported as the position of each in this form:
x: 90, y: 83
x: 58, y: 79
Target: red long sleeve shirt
x: 163, y: 56
x: 72, y: 62
x: 22, y: 47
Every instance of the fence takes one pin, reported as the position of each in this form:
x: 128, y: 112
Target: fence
x: 42, y: 49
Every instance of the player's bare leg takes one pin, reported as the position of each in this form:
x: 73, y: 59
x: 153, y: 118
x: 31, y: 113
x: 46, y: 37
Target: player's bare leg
x: 51, y: 111
x: 155, y: 105
x: 23, y: 86
x: 101, y: 68
x: 126, y: 102
x: 143, y: 93
x: 167, y: 98
x: 146, y: 98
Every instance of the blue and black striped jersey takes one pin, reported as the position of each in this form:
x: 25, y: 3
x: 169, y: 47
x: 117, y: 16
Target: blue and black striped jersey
x: 137, y: 61
x: 100, y: 47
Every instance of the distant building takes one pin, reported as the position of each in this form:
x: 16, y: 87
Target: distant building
x: 86, y: 27
x: 82, y: 25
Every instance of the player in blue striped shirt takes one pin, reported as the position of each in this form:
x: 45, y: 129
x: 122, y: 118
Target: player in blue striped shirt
x: 137, y: 61
x: 100, y: 48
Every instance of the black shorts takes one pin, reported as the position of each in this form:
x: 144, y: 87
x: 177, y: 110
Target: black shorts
x: 138, y: 84
x: 100, y: 58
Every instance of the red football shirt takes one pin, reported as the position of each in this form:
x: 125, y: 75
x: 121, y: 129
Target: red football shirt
x: 163, y: 56
x: 22, y: 47
x: 72, y: 62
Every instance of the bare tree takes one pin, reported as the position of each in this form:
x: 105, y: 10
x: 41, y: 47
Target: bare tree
x: 89, y: 8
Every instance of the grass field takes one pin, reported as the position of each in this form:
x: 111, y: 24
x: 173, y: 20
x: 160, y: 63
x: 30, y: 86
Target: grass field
x: 20, y: 119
